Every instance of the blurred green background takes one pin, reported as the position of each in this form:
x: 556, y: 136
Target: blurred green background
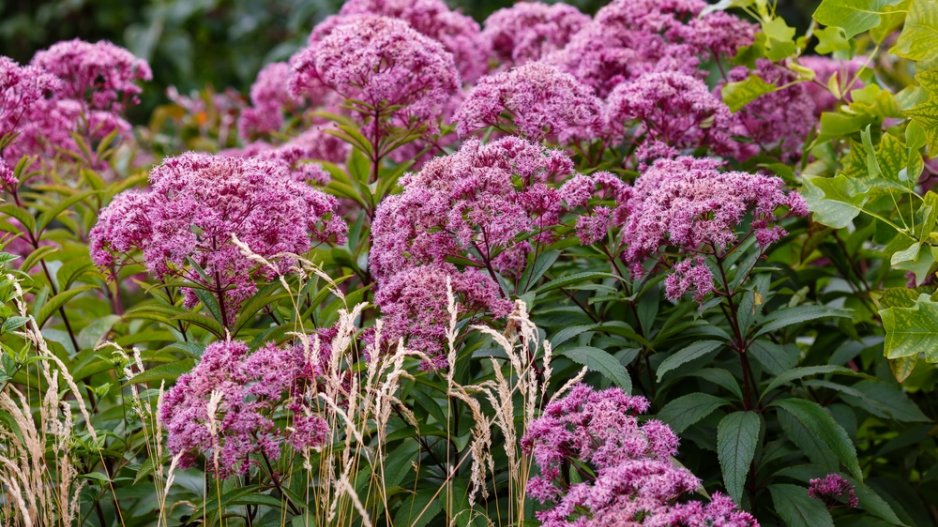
x: 194, y: 43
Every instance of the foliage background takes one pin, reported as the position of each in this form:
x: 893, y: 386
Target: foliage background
x: 194, y: 43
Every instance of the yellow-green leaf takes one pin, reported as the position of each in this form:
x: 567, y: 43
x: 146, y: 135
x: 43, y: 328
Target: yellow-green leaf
x: 919, y: 38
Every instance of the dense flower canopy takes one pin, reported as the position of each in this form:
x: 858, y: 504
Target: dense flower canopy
x: 529, y: 31
x: 635, y: 482
x: 184, y: 223
x: 538, y: 99
x: 387, y: 68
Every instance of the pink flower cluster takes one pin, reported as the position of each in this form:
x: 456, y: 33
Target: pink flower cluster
x: 470, y: 207
x: 629, y: 38
x: 390, y: 73
x: 74, y: 86
x: 834, y: 491
x: 778, y: 121
x: 689, y: 205
x: 579, y: 191
x: 631, y: 480
x: 252, y: 387
x: 458, y: 33
x: 270, y: 100
x: 672, y: 109
x: 536, y: 101
x: 22, y: 93
x: 529, y: 31
x: 184, y: 223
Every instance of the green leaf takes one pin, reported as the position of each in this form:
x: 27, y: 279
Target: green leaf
x: 820, y: 423
x: 831, y: 39
x: 910, y: 331
x: 689, y: 409
x: 833, y: 201
x: 800, y: 373
x: 926, y: 113
x: 919, y: 38
x: 169, y: 372
x: 779, y: 39
x: 737, y: 437
x: 420, y: 509
x: 739, y: 94
x: 602, y: 362
x: 694, y: 351
x: 13, y: 323
x: 94, y: 332
x: 796, y: 315
x: 58, y: 301
x: 798, y: 509
x: 567, y: 280
x: 854, y: 16
x: 777, y: 359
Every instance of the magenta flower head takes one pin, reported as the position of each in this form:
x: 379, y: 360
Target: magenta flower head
x: 473, y: 205
x: 101, y: 78
x: 413, y: 303
x: 458, y: 33
x: 629, y: 38
x: 587, y: 195
x: 185, y: 222
x: 529, y: 31
x: 270, y: 100
x: 670, y: 108
x: 635, y: 482
x: 250, y: 388
x: 687, y: 204
x: 389, y: 73
x: 22, y: 93
x: 537, y: 101
x: 834, y: 491
x: 777, y: 121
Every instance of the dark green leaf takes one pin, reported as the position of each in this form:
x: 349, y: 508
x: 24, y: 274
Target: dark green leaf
x: 737, y: 437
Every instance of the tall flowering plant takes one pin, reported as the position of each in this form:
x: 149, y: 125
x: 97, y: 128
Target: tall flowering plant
x: 664, y: 263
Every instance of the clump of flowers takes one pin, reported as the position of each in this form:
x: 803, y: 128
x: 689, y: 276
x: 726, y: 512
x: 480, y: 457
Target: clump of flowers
x: 529, y: 31
x: 270, y: 99
x: 579, y: 192
x: 458, y: 33
x: 536, y: 101
x: 484, y: 206
x: 185, y: 222
x: 98, y: 81
x: 777, y: 121
x: 689, y: 205
x: 834, y: 491
x: 224, y: 407
x: 629, y: 38
x: 672, y: 109
x: 631, y: 480
x: 471, y: 205
x: 389, y: 73
x: 22, y: 90
x: 414, y: 305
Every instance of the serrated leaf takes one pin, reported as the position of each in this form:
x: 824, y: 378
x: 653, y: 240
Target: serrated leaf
x: 797, y: 508
x: 601, y: 361
x: 910, y: 331
x: 738, y: 94
x: 919, y: 38
x: 94, y: 332
x: 737, y: 437
x: 687, y: 354
x: 689, y: 409
x: 820, y: 423
x: 854, y: 16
